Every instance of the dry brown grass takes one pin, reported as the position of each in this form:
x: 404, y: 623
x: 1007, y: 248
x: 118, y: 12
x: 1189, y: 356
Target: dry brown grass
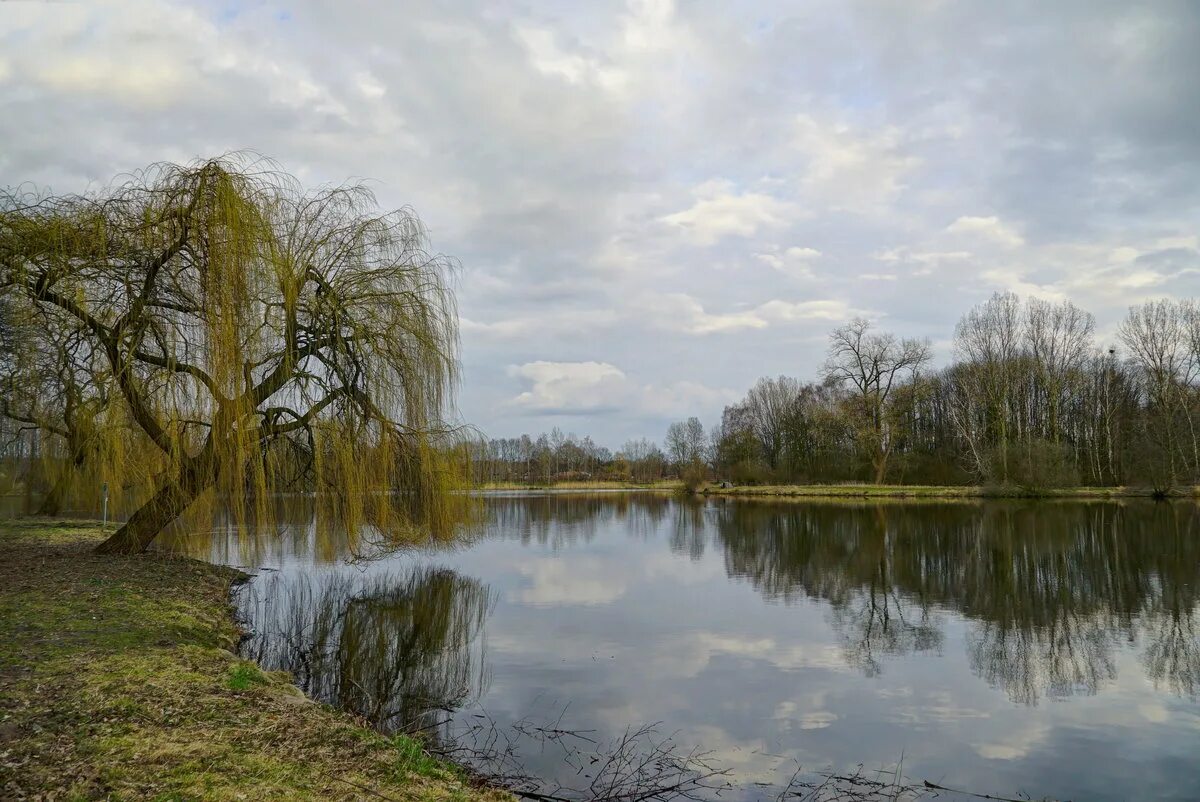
x: 117, y: 681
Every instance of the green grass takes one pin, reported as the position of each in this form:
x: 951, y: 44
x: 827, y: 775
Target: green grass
x: 244, y: 676
x: 931, y: 491
x: 118, y: 680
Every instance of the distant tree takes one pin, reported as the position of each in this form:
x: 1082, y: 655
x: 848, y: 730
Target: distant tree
x: 769, y: 411
x: 737, y: 452
x: 1059, y: 338
x: 685, y: 442
x: 53, y: 382
x: 646, y: 461
x: 988, y: 339
x: 872, y: 365
x: 687, y: 450
x: 1159, y: 337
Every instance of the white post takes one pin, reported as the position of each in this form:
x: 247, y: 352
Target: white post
x: 104, y: 520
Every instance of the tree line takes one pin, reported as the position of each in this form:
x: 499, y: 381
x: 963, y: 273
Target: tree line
x: 1030, y: 399
x: 558, y: 457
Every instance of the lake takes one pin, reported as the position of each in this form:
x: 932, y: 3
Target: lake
x: 1043, y: 648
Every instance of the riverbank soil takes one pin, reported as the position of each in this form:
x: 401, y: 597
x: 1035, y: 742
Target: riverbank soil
x: 118, y: 680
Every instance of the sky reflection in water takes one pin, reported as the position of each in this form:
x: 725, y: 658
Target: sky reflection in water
x: 1046, y: 648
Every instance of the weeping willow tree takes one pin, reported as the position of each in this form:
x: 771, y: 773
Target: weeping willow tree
x: 254, y: 338
x: 54, y: 390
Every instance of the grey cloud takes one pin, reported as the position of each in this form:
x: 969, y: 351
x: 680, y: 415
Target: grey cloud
x: 545, y: 145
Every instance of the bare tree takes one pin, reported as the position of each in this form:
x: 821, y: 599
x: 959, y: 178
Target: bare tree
x: 988, y: 338
x: 686, y: 443
x: 1059, y: 338
x: 768, y: 408
x: 646, y: 460
x: 1159, y: 337
x: 872, y: 364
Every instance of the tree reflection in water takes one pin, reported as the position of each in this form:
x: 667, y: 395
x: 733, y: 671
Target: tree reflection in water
x: 395, y: 648
x: 1048, y: 599
x: 1048, y: 589
x: 1049, y: 592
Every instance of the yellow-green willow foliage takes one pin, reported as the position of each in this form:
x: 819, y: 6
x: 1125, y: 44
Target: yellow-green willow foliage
x: 62, y: 438
x: 248, y: 338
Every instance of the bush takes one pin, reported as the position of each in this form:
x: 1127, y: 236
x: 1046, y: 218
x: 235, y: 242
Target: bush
x: 748, y: 472
x: 693, y: 475
x: 928, y: 469
x: 1034, y: 465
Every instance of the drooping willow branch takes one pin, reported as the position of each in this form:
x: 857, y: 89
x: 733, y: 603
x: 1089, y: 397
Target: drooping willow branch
x: 243, y: 323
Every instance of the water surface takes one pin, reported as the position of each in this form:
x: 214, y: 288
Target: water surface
x: 1046, y: 648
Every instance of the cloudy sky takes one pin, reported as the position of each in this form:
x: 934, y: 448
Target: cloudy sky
x: 654, y: 203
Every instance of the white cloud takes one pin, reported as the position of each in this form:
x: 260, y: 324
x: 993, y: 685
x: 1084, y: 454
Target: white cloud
x: 1123, y: 254
x: 574, y: 580
x: 682, y: 313
x: 851, y: 168
x: 1187, y: 242
x: 650, y: 25
x: 904, y: 254
x: 684, y: 398
x: 369, y: 85
x: 551, y: 323
x: 1015, y: 744
x: 988, y: 228
x: 562, y: 388
x: 1014, y: 280
x: 550, y: 58
x: 789, y: 716
x: 570, y: 386
x: 795, y: 262
x: 1140, y: 279
x: 563, y: 158
x: 690, y: 654
x: 792, y: 312
x: 723, y: 213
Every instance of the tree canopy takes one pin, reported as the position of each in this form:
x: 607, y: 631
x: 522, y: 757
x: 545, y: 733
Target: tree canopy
x: 242, y: 335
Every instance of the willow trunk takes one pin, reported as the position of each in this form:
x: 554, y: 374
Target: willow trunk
x: 167, y: 504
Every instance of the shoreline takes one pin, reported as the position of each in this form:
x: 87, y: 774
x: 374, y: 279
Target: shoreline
x: 941, y: 492
x: 843, y: 491
x: 119, y: 678
x: 663, y: 486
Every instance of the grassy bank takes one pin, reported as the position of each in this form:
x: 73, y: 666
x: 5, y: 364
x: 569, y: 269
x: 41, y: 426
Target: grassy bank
x: 117, y: 681
x: 933, y: 491
x: 669, y: 485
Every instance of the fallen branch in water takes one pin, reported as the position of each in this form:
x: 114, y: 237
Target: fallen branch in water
x: 638, y: 766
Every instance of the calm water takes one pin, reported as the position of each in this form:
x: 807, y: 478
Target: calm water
x: 1042, y: 648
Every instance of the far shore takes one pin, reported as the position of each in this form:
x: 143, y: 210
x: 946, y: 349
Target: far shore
x: 847, y: 491
x: 665, y: 485
x: 942, y: 491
